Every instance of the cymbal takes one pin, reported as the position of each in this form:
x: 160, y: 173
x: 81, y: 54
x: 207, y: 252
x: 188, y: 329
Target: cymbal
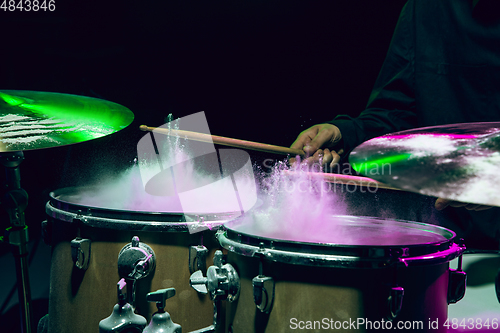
x: 458, y: 162
x: 32, y: 120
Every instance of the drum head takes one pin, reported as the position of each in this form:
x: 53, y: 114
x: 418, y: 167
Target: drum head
x: 351, y: 231
x: 97, y: 208
x: 344, y: 240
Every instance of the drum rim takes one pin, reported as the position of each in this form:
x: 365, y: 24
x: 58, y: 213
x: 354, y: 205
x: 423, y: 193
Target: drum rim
x: 112, y: 218
x: 341, y: 255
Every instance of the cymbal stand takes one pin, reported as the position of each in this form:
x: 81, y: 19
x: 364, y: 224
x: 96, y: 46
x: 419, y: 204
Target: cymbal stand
x: 14, y: 202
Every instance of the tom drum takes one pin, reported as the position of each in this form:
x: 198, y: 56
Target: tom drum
x: 87, y: 241
x: 356, y: 274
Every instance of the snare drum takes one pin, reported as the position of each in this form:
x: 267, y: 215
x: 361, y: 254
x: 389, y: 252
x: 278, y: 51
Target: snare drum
x: 357, y: 274
x: 81, y: 298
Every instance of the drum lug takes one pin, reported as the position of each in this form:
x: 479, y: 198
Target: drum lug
x: 222, y: 281
x: 395, y: 302
x: 197, y: 258
x: 263, y: 292
x: 47, y: 232
x: 456, y: 286
x: 80, y: 252
x: 456, y: 283
x: 136, y: 260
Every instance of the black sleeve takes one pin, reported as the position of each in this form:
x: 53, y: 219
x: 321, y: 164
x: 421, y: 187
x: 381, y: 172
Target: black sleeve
x: 391, y: 106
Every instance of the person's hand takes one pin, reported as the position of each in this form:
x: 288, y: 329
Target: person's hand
x: 317, y: 142
x: 441, y: 204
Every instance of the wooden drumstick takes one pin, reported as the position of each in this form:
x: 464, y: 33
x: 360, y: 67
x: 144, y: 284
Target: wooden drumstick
x: 343, y: 179
x: 225, y: 141
x: 328, y: 177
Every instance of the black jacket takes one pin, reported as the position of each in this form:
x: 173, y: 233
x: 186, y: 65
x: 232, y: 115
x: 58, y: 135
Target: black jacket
x: 442, y: 67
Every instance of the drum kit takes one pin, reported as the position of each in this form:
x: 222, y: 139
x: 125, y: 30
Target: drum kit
x: 231, y: 276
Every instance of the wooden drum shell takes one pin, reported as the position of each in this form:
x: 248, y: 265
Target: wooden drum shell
x: 80, y: 299
x: 338, y: 294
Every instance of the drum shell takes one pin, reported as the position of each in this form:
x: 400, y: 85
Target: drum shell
x: 79, y: 300
x: 309, y: 293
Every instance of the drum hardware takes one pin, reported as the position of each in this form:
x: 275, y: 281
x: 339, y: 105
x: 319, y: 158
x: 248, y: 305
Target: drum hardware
x: 123, y: 318
x: 395, y: 302
x: 47, y: 232
x: 457, y: 281
x: 263, y: 288
x: 222, y: 281
x: 457, y: 278
x: 136, y: 260
x: 396, y: 292
x: 197, y: 258
x: 198, y: 225
x: 80, y: 252
x: 80, y: 249
x: 161, y: 321
x: 263, y: 292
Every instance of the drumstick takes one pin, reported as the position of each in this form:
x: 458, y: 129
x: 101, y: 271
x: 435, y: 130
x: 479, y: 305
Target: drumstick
x: 225, y: 141
x: 342, y: 179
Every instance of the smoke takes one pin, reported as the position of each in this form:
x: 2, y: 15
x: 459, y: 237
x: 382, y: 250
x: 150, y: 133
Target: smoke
x: 296, y: 207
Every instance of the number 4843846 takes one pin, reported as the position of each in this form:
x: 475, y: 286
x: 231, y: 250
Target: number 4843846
x: 471, y: 323
x: 28, y: 5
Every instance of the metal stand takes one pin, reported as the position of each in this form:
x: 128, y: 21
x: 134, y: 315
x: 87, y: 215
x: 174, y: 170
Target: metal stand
x: 14, y: 202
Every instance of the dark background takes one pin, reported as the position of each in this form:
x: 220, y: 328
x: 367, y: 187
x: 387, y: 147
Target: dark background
x: 262, y: 70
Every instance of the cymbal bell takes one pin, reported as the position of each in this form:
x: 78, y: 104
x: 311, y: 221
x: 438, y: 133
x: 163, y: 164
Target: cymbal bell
x: 457, y: 162
x: 32, y: 120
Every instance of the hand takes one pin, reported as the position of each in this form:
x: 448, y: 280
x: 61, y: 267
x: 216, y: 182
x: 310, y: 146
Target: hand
x: 443, y: 203
x: 317, y: 142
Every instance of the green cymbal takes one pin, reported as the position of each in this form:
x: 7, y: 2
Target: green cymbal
x: 32, y: 120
